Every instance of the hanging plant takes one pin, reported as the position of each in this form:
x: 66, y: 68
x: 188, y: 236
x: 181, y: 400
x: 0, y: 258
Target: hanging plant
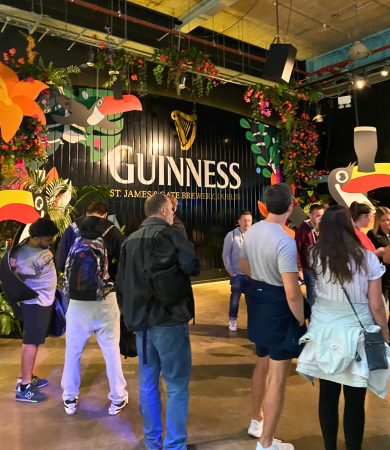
x: 172, y: 63
x: 122, y: 65
x: 300, y: 151
x: 29, y: 70
x: 29, y: 144
x: 23, y: 83
x: 299, y: 138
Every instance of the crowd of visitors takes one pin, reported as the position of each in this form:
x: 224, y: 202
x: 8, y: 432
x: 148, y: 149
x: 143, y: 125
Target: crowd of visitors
x: 146, y: 278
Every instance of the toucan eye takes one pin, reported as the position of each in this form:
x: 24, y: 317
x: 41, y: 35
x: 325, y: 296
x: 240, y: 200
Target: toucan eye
x: 39, y: 203
x: 100, y: 102
x: 342, y: 176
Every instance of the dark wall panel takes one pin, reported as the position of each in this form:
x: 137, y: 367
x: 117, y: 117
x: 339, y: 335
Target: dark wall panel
x: 150, y: 136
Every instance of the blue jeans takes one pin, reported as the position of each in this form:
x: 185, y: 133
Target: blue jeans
x: 169, y: 353
x: 310, y: 286
x: 237, y: 284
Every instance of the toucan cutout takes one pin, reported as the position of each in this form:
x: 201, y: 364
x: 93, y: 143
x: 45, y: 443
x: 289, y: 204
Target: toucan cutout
x: 81, y: 117
x: 349, y: 184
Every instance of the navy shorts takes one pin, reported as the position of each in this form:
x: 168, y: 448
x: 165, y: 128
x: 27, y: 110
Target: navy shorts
x: 271, y: 324
x: 36, y: 322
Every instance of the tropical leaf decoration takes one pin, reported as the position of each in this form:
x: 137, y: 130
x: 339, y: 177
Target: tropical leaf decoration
x: 265, y: 146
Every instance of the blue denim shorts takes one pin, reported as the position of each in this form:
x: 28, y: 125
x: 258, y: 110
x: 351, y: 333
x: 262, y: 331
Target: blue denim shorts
x: 271, y: 324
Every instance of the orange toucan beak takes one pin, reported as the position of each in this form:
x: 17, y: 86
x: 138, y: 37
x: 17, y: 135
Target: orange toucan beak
x: 367, y: 181
x: 127, y: 103
x: 18, y: 205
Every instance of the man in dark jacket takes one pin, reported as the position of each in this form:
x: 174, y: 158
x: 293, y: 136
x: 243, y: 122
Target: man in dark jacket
x: 163, y: 343
x: 87, y: 316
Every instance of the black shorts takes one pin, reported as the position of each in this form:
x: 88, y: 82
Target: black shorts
x: 36, y: 321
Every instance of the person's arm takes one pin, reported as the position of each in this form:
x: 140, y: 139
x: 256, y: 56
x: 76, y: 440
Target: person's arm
x: 294, y: 295
x: 63, y: 248
x: 245, y: 268
x: 377, y: 306
x: 386, y: 255
x: 227, y: 253
x: 188, y: 261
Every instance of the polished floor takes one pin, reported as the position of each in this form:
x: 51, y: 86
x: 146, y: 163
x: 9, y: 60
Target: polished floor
x: 220, y: 395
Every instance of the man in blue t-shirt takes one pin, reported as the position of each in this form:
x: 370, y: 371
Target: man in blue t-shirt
x: 232, y: 245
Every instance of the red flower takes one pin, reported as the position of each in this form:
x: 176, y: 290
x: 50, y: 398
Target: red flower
x: 12, y: 51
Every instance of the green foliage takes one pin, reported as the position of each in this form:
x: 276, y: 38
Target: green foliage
x: 8, y: 322
x: 172, y: 63
x: 122, y: 65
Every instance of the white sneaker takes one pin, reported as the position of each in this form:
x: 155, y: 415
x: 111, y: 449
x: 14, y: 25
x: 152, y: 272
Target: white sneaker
x: 276, y: 445
x: 232, y: 325
x: 255, y: 428
x: 116, y: 408
x: 71, y: 406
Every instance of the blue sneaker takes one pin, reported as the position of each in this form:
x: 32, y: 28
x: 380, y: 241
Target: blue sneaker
x: 35, y: 381
x: 31, y: 395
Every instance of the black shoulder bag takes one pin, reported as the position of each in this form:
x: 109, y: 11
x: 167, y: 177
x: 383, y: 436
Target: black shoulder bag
x: 374, y: 344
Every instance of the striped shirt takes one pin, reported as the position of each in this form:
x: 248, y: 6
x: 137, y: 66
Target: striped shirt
x: 357, y: 288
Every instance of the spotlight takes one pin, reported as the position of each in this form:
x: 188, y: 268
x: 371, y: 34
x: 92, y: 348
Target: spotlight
x: 385, y: 71
x: 318, y: 118
x: 182, y: 84
x: 91, y: 57
x: 360, y: 83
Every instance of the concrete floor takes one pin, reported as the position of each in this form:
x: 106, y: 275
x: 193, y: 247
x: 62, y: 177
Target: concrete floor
x: 220, y: 395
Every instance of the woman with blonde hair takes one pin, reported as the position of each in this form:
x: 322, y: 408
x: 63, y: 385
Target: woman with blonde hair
x: 334, y: 348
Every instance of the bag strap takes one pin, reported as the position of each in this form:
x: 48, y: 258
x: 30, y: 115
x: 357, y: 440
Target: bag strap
x: 354, y: 310
x: 107, y: 230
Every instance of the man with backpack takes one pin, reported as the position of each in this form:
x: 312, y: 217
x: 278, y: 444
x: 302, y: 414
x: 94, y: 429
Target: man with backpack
x: 90, y: 245
x: 155, y: 292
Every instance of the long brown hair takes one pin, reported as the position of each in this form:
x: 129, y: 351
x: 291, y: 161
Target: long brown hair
x: 338, y: 248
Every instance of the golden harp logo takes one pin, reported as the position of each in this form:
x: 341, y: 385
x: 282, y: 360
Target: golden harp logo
x: 186, y: 128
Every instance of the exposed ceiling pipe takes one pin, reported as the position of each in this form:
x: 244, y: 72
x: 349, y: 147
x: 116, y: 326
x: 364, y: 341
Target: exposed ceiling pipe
x: 341, y: 64
x: 163, y: 29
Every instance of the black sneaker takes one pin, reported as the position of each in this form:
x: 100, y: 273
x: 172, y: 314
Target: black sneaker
x: 71, y: 406
x: 31, y: 394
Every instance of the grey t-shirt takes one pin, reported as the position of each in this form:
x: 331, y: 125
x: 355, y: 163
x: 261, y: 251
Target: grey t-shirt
x: 35, y: 266
x: 270, y: 252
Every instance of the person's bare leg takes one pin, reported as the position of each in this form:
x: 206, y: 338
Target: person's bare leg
x: 29, y: 354
x: 274, y: 398
x: 259, y: 382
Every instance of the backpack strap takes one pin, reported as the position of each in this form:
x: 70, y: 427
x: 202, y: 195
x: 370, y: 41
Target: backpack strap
x: 75, y: 229
x: 107, y: 230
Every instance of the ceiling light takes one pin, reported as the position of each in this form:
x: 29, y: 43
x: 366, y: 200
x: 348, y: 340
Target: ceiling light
x: 318, y: 118
x: 91, y: 57
x: 182, y: 84
x: 358, y: 51
x: 385, y: 71
x: 359, y: 83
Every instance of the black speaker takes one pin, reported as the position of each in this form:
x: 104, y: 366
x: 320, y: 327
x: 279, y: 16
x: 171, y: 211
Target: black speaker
x: 280, y: 62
